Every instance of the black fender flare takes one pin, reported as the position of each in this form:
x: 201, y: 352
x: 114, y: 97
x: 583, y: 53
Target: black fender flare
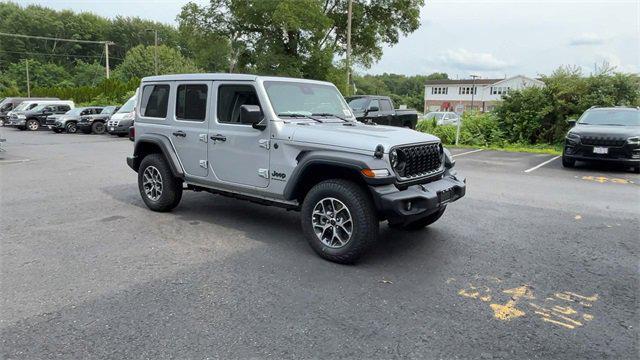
x: 349, y: 161
x: 165, y: 146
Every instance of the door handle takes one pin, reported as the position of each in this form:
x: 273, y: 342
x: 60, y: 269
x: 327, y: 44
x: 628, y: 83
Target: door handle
x: 180, y: 133
x: 218, y: 137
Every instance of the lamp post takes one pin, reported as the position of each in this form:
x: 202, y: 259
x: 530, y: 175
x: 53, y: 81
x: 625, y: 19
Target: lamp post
x: 349, y: 47
x: 155, y: 49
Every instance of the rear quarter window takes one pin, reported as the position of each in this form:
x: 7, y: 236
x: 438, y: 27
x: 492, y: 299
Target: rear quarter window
x: 155, y: 99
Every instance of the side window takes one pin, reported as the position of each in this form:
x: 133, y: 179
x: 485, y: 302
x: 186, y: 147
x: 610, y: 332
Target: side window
x: 374, y: 104
x: 50, y: 108
x: 191, y: 102
x: 63, y: 108
x: 230, y: 98
x: 385, y: 105
x: 86, y: 112
x: 155, y: 99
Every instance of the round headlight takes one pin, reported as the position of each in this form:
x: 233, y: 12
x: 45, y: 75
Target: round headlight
x: 393, y: 158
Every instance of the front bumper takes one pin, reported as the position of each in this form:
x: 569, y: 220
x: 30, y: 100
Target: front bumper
x: 417, y: 201
x: 121, y: 128
x: 626, y: 154
x: 55, y: 125
x: 16, y: 122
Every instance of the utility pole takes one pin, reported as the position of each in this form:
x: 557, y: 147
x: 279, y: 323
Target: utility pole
x: 28, y: 85
x: 106, y: 55
x: 349, y: 47
x: 155, y: 49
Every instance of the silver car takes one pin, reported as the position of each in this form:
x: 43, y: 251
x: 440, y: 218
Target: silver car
x: 443, y: 117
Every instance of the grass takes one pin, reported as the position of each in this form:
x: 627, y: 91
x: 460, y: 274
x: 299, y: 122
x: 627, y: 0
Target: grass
x: 535, y: 149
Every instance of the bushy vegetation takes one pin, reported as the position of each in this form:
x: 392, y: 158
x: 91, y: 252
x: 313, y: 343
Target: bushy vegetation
x: 476, y: 129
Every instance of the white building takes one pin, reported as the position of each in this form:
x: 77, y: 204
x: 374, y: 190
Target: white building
x: 441, y: 95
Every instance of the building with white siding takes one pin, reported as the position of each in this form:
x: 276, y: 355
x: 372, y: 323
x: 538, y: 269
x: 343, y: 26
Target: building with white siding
x: 447, y: 95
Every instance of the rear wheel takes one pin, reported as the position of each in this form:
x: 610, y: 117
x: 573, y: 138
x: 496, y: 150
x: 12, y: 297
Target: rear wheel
x: 568, y: 162
x: 32, y: 125
x: 339, y: 220
x: 159, y: 189
x: 71, y: 128
x: 98, y: 127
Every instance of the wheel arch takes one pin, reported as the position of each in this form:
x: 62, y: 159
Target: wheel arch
x: 156, y: 144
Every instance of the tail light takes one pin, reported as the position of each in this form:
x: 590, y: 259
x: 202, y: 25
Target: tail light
x: 132, y: 133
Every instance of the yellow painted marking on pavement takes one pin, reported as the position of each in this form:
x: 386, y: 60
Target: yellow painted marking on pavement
x: 509, y: 311
x: 604, y: 179
x: 588, y: 298
x: 558, y: 323
x: 564, y: 310
x: 473, y: 293
x: 587, y: 317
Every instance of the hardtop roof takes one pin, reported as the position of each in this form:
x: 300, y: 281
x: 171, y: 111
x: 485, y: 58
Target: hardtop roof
x: 223, y: 77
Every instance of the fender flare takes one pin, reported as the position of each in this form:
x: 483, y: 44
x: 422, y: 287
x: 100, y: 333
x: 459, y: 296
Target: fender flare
x: 348, y: 161
x: 165, y: 146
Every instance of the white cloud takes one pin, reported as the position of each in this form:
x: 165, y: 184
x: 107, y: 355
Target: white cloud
x: 587, y: 39
x: 467, y: 60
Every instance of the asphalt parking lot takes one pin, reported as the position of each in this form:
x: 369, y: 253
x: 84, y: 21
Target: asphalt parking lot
x: 537, y: 264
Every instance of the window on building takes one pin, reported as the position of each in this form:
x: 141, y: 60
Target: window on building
x: 191, y: 102
x: 155, y: 99
x: 466, y: 90
x: 439, y: 90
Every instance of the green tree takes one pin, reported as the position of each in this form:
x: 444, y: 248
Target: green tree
x: 87, y: 73
x: 139, y: 62
x: 40, y: 74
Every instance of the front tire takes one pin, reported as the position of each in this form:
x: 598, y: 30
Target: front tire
x: 32, y: 125
x: 159, y: 189
x: 339, y: 220
x: 98, y: 127
x: 71, y: 128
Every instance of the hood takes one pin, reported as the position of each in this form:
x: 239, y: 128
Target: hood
x: 360, y: 136
x: 606, y: 131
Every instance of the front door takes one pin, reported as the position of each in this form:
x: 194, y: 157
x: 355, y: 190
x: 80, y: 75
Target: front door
x: 190, y: 118
x: 239, y: 154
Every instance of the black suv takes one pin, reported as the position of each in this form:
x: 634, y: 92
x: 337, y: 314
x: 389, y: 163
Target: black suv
x: 96, y: 123
x: 610, y: 134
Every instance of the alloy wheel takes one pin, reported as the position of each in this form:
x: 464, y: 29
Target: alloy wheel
x: 332, y: 222
x: 152, y: 183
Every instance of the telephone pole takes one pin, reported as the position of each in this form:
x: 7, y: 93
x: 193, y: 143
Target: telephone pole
x: 349, y: 47
x: 106, y: 55
x: 155, y: 49
x: 28, y: 85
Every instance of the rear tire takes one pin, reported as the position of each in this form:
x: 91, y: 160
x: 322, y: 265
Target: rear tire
x: 421, y: 223
x: 568, y: 162
x: 159, y: 189
x: 71, y: 128
x: 98, y: 127
x: 32, y: 125
x: 342, y: 235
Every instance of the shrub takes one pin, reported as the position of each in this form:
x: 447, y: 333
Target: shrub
x: 478, y: 129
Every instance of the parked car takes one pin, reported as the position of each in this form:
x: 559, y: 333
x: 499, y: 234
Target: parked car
x: 69, y: 121
x: 443, y: 117
x: 24, y: 106
x: 292, y: 143
x: 123, y: 119
x: 96, y: 123
x: 609, y: 134
x: 10, y: 103
x: 35, y: 118
x: 380, y: 110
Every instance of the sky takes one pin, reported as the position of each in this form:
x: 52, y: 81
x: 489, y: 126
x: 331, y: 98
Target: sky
x: 490, y: 38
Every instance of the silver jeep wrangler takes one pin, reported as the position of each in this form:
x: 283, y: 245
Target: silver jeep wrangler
x: 292, y: 143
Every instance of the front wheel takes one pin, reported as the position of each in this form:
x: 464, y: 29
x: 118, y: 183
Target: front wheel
x: 32, y: 124
x: 71, y: 128
x: 339, y: 220
x: 98, y: 127
x: 568, y: 162
x: 159, y: 189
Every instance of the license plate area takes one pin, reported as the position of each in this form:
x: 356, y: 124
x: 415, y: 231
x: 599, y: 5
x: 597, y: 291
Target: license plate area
x: 444, y: 196
x: 600, y: 150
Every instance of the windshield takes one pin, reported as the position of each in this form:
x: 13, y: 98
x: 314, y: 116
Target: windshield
x: 108, y: 110
x: 619, y: 117
x: 23, y: 106
x: 38, y: 107
x: 288, y: 97
x: 437, y: 116
x: 357, y: 103
x: 128, y: 106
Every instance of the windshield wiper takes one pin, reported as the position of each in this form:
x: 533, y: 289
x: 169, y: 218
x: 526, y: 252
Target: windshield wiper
x: 330, y: 115
x: 298, y: 115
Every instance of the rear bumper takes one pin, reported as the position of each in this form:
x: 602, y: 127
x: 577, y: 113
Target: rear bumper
x: 417, y: 201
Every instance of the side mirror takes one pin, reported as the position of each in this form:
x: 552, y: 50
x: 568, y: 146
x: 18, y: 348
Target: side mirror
x: 373, y: 109
x: 571, y: 122
x: 252, y: 114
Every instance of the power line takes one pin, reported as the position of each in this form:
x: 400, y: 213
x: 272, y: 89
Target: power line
x: 60, y: 55
x: 57, y: 39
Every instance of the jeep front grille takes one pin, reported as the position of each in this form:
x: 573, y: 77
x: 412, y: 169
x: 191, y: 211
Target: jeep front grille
x: 415, y: 161
x: 602, y: 141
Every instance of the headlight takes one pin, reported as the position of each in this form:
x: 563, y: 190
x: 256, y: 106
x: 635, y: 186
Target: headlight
x: 634, y: 140
x: 128, y: 116
x: 393, y: 158
x: 573, y: 138
x: 21, y: 116
x: 397, y: 161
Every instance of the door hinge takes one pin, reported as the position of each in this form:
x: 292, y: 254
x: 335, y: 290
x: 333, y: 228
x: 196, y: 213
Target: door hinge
x: 263, y: 173
x: 204, y: 164
x: 203, y: 137
x: 264, y: 143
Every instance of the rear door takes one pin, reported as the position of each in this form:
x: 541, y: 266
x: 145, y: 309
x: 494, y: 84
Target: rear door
x: 190, y: 125
x: 239, y: 154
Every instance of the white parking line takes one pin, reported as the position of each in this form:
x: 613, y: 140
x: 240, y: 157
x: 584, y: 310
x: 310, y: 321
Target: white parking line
x: 468, y: 152
x: 541, y: 165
